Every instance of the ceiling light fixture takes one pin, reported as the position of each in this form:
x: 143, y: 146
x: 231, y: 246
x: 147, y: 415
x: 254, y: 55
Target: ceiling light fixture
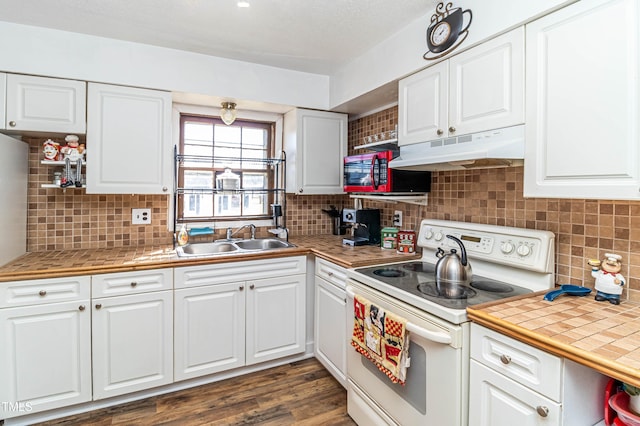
x: 228, y: 113
x: 243, y: 3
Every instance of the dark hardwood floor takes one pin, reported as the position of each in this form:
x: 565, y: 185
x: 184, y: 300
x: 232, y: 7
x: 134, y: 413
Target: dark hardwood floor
x: 300, y: 393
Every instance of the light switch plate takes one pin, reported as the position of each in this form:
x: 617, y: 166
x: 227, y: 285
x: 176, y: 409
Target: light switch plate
x: 140, y: 216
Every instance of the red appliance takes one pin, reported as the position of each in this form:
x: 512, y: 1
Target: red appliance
x: 371, y: 173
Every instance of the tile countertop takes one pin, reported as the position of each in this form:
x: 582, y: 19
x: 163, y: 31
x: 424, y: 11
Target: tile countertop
x: 599, y: 335
x: 52, y: 264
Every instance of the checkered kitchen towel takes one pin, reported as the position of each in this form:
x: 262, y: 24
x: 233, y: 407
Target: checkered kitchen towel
x: 382, y: 337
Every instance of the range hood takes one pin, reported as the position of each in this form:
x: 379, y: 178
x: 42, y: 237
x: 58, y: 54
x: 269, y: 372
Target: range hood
x: 490, y: 149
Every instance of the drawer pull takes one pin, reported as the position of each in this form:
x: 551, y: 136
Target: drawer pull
x: 252, y: 286
x: 98, y: 305
x: 505, y: 359
x: 542, y: 411
x: 241, y: 288
x: 133, y: 284
x: 81, y: 308
x: 42, y: 293
x: 330, y: 273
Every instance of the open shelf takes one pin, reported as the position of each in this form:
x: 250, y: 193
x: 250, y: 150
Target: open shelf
x: 419, y: 199
x: 386, y: 145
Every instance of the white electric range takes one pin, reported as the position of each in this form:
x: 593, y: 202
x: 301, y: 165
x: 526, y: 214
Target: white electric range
x: 505, y: 261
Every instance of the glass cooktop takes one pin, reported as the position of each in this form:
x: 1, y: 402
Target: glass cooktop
x: 418, y: 278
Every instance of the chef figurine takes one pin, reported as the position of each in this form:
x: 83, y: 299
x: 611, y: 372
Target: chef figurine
x: 609, y: 281
x: 72, y: 149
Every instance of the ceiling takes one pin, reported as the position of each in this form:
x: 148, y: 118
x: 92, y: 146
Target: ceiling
x: 316, y: 36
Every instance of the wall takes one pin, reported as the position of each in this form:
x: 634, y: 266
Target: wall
x: 42, y: 51
x: 584, y: 228
x: 72, y: 219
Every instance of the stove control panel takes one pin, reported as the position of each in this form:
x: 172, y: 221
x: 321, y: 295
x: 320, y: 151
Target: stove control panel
x: 525, y: 248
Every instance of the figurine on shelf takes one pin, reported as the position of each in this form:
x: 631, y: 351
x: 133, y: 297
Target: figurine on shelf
x: 51, y: 150
x: 73, y: 150
x: 609, y: 281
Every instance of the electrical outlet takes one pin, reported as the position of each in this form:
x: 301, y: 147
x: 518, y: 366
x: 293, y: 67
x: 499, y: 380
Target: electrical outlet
x: 397, y: 218
x: 140, y: 216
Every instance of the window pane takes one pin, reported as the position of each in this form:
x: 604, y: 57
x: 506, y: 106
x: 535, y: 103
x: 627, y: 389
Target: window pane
x: 227, y: 204
x: 194, y: 131
x: 227, y: 135
x: 254, y: 138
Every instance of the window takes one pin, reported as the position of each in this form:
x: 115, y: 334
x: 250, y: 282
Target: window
x: 217, y: 161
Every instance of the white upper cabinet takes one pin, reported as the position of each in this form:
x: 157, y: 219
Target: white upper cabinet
x: 315, y: 143
x: 583, y: 113
x: 477, y: 90
x: 422, y: 109
x: 43, y: 104
x: 129, y: 149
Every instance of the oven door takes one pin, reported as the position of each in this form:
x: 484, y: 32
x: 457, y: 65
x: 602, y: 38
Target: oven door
x: 436, y: 387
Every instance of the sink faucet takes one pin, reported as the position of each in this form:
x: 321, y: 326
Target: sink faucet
x: 231, y: 232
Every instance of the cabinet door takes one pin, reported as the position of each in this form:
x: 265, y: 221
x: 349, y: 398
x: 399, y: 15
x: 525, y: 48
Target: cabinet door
x: 45, y: 357
x: 316, y: 144
x: 331, y: 328
x: 495, y: 400
x: 45, y: 104
x: 209, y: 329
x: 132, y: 343
x: 275, y: 318
x: 583, y: 112
x: 422, y: 107
x: 128, y: 140
x: 486, y: 85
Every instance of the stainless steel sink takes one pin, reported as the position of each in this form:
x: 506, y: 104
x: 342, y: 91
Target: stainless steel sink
x: 200, y: 249
x: 262, y: 244
x: 225, y: 247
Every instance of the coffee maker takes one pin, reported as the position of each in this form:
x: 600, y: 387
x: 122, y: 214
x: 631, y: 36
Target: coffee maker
x: 365, y: 224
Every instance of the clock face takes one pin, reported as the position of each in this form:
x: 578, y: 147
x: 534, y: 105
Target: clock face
x: 440, y: 33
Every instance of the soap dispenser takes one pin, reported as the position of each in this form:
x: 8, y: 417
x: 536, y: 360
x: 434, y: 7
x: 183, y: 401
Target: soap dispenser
x: 183, y: 236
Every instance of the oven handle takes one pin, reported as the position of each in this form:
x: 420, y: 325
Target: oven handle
x: 435, y: 336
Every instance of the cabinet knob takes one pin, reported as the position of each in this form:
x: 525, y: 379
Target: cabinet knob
x: 542, y: 411
x: 241, y: 288
x: 134, y: 284
x: 42, y: 293
x: 98, y: 305
x: 81, y: 308
x: 12, y: 123
x: 452, y: 129
x: 301, y: 190
x: 439, y: 132
x: 165, y: 189
x: 505, y: 359
x: 330, y: 274
x: 252, y: 286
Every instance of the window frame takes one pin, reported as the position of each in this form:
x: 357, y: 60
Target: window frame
x: 269, y: 191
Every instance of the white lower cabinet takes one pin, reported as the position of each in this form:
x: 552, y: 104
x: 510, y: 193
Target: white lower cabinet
x: 45, y: 345
x: 330, y: 318
x: 209, y: 329
x: 512, y: 383
x: 229, y: 315
x: 132, y: 333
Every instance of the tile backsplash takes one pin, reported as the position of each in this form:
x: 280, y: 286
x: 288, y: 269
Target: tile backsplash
x: 584, y: 229
x: 72, y: 219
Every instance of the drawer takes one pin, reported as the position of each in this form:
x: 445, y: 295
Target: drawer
x: 36, y: 292
x: 331, y: 272
x: 131, y: 282
x: 496, y: 399
x: 220, y: 273
x: 529, y: 366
